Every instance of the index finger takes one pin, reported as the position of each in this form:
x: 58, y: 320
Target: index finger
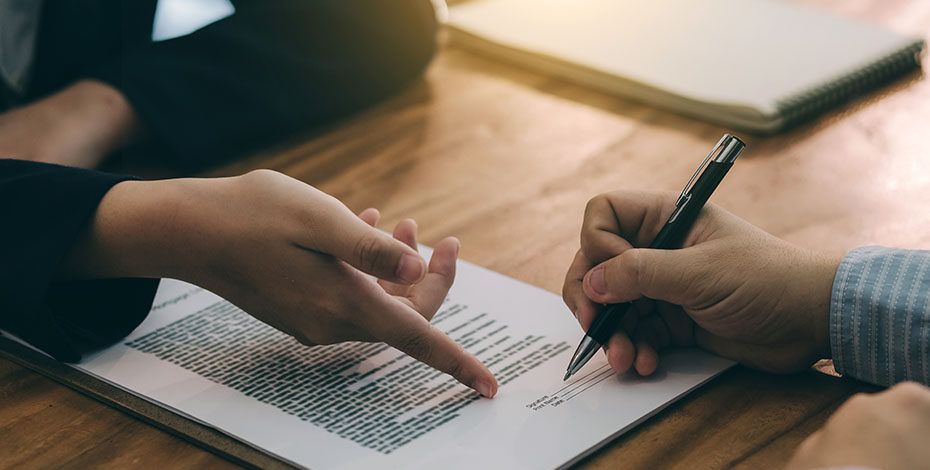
x: 617, y: 221
x: 403, y: 328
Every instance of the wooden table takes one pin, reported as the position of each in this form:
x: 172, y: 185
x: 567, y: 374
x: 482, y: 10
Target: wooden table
x: 505, y: 159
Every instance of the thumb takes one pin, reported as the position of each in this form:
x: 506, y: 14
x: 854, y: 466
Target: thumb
x: 668, y: 275
x: 352, y: 240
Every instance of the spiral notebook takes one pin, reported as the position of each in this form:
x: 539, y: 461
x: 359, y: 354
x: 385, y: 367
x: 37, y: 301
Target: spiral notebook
x: 756, y: 65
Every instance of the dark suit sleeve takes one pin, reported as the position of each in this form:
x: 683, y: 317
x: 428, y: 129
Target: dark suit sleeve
x: 43, y: 209
x: 274, y: 67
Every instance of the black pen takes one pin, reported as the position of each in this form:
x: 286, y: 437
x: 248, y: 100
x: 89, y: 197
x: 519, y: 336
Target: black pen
x: 687, y: 208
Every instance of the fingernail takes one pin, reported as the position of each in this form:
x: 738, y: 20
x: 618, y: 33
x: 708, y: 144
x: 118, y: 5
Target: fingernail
x: 482, y: 387
x: 410, y: 268
x: 596, y: 281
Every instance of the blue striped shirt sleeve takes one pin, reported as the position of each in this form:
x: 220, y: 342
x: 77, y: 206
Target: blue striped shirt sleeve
x: 880, y: 315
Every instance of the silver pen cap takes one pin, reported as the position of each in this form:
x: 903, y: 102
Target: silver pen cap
x: 729, y: 148
x: 726, y: 151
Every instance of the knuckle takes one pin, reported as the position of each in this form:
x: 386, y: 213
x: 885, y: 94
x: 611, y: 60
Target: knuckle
x: 456, y: 369
x: 368, y: 252
x: 592, y: 203
x: 259, y: 183
x: 415, y: 345
x: 446, y: 276
x: 591, y: 249
x: 595, y: 210
x: 595, y: 204
x: 261, y: 176
x: 634, y: 266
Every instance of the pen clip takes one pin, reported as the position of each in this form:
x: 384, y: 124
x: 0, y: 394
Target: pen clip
x: 685, y: 193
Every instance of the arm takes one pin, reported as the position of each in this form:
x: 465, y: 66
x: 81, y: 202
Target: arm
x: 286, y: 253
x: 744, y: 294
x: 732, y: 288
x: 80, y: 244
x: 737, y: 291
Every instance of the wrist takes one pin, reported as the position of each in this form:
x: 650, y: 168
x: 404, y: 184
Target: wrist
x: 825, y: 268
x: 135, y: 232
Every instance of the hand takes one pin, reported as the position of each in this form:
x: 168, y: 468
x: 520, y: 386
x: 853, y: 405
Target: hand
x: 887, y: 430
x: 732, y: 289
x: 289, y: 255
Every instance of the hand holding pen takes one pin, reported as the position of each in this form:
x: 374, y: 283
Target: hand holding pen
x: 729, y: 288
x: 689, y: 204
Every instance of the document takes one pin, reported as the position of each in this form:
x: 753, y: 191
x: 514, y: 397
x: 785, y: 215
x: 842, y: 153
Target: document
x: 367, y: 405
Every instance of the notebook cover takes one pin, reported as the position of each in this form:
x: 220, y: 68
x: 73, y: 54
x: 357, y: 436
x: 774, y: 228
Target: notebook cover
x: 757, y: 65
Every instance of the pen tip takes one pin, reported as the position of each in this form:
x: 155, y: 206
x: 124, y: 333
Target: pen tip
x: 567, y: 375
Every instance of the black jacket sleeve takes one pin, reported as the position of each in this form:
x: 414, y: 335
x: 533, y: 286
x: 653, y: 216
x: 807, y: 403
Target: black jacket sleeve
x: 43, y: 208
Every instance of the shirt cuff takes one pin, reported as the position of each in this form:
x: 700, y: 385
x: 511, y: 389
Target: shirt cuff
x: 880, y: 315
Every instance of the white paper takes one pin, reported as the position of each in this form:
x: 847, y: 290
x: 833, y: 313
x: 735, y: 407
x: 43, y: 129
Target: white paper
x: 361, y: 406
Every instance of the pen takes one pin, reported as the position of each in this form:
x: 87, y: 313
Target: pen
x: 687, y: 208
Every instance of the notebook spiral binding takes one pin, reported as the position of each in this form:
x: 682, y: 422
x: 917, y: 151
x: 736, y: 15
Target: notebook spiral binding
x: 811, y: 103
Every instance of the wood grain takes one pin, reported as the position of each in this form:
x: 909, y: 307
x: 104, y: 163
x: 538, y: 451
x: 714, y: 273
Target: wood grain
x: 505, y: 159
